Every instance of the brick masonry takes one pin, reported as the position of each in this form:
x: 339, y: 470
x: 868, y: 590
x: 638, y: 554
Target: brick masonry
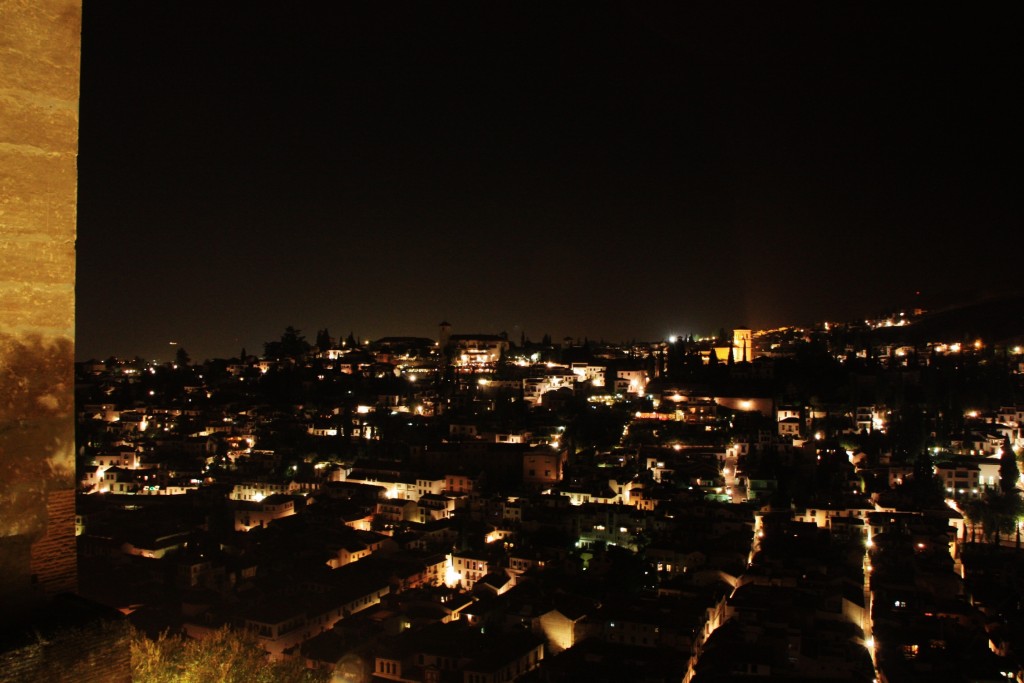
x: 54, y: 566
x: 69, y: 640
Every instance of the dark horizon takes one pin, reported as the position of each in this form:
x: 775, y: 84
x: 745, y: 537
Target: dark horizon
x: 619, y: 173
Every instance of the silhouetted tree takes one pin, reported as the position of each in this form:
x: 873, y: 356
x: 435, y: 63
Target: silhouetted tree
x: 995, y: 511
x: 291, y: 345
x: 1009, y: 472
x: 181, y: 357
x: 922, y: 488
x: 323, y: 339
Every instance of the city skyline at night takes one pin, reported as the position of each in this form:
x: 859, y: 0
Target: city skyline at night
x: 424, y: 342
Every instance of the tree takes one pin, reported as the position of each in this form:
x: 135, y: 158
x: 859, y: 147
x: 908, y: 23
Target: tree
x: 181, y: 357
x: 291, y: 345
x: 1009, y: 472
x: 996, y: 512
x: 923, y: 489
x: 977, y: 513
x: 323, y: 339
x: 224, y: 656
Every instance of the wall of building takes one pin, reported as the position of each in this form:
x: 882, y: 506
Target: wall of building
x: 48, y: 632
x: 39, y: 77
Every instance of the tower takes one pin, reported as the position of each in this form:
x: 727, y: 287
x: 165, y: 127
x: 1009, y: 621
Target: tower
x: 47, y: 629
x: 742, y: 345
x: 444, y: 334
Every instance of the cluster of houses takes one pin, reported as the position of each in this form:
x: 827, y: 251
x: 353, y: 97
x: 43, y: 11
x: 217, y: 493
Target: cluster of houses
x: 432, y: 511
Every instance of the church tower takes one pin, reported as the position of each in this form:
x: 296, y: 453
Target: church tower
x: 742, y: 345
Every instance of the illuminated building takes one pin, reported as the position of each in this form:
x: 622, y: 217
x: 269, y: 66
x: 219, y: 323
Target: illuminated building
x: 742, y: 345
x: 472, y: 352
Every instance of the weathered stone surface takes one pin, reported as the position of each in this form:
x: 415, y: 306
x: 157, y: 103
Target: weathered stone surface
x: 39, y: 73
x: 49, y: 261
x: 36, y: 185
x: 47, y: 634
x: 40, y: 46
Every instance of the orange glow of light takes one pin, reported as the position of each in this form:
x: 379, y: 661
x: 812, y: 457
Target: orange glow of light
x: 451, y: 577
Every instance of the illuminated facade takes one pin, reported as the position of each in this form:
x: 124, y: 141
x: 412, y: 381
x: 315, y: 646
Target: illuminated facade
x: 742, y: 345
x: 467, y: 568
x: 469, y: 353
x: 631, y: 381
x: 252, y: 514
x: 548, y: 378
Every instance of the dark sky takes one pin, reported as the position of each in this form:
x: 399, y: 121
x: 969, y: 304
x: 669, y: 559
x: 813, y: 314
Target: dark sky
x: 598, y: 170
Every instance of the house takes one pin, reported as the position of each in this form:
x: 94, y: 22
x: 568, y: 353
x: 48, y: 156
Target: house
x: 397, y: 510
x: 457, y: 652
x: 251, y: 514
x: 522, y: 561
x: 468, y: 567
x: 564, y: 624
x: 542, y: 467
x: 257, y: 490
x: 472, y: 352
x: 511, y: 656
x: 461, y: 483
x: 960, y: 478
x: 789, y: 427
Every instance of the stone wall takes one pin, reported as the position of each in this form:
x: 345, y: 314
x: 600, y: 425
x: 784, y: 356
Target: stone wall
x: 70, y: 639
x: 40, y: 46
x: 46, y: 632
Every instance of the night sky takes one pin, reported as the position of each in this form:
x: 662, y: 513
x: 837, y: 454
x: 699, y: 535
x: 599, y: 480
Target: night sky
x: 610, y: 171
